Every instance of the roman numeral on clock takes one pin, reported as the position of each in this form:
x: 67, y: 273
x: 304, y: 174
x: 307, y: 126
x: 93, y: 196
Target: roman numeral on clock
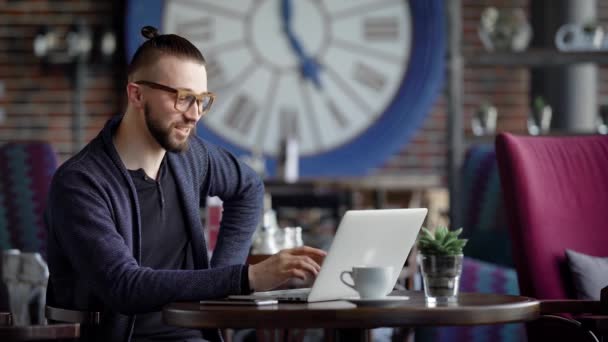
x: 369, y: 77
x: 337, y: 114
x: 215, y: 72
x: 381, y: 28
x: 200, y: 30
x: 241, y: 113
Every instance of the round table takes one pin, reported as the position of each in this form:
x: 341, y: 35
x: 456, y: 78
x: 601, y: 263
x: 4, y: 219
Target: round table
x: 40, y: 332
x: 471, y: 309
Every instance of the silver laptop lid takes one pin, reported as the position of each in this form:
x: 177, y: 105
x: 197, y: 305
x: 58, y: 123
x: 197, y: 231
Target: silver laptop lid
x: 367, y: 238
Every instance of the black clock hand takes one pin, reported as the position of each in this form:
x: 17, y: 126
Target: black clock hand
x: 309, y: 68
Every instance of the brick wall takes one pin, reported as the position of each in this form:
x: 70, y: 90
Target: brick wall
x: 505, y: 88
x: 35, y: 102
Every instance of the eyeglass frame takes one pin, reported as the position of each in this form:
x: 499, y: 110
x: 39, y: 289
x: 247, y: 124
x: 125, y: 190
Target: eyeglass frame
x: 182, y: 92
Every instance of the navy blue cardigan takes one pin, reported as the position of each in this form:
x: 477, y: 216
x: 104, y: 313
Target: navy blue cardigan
x: 94, y: 241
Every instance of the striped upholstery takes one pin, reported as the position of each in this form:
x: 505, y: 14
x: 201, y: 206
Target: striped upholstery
x: 484, y: 219
x: 488, y: 265
x: 26, y: 169
x: 479, y: 276
x: 484, y: 277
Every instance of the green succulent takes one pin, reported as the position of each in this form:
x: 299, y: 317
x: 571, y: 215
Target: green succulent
x: 442, y: 242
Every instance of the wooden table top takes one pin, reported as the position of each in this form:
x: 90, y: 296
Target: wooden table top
x: 471, y: 309
x: 39, y: 332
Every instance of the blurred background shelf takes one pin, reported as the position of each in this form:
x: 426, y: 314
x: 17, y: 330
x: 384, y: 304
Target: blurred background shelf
x: 535, y: 58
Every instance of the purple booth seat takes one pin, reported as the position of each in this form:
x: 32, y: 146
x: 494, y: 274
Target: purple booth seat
x: 556, y: 198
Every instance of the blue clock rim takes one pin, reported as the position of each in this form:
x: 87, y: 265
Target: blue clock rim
x: 387, y: 136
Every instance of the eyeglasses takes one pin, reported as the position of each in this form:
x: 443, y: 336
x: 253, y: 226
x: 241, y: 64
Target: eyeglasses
x: 184, y: 99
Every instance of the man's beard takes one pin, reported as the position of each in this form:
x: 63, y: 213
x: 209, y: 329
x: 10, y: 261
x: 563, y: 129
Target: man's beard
x: 163, y: 135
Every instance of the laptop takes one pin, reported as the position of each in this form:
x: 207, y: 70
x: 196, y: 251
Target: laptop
x: 364, y: 238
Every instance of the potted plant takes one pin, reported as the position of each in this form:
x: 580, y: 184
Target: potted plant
x: 539, y: 120
x: 441, y: 263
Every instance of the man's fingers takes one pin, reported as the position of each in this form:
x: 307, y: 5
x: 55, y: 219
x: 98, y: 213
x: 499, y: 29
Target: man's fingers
x: 281, y: 267
x: 297, y: 273
x: 300, y: 262
x: 307, y: 250
x: 306, y: 264
x: 313, y: 263
x: 307, y: 259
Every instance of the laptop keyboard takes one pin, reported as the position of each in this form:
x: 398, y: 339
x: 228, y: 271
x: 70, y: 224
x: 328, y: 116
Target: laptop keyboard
x: 291, y: 295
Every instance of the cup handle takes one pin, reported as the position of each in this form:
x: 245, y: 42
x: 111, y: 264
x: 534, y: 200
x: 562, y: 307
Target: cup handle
x: 560, y: 37
x: 352, y: 286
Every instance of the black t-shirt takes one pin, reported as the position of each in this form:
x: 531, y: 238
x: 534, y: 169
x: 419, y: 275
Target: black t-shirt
x: 165, y: 244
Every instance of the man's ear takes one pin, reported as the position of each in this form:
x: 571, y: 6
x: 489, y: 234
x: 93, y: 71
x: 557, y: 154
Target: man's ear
x: 135, y: 96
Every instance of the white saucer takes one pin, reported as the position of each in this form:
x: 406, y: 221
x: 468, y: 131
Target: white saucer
x: 386, y: 301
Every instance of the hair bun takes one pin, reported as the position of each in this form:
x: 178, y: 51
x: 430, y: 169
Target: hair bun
x: 149, y: 32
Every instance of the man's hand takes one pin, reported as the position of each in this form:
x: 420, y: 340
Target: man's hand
x: 301, y: 262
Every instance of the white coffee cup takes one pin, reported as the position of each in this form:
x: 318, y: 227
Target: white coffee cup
x: 575, y: 37
x: 371, y: 282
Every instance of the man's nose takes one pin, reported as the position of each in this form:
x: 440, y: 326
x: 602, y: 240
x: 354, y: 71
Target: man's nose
x: 193, y: 113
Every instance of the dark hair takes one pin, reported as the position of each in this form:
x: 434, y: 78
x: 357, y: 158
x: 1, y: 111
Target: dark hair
x: 162, y: 44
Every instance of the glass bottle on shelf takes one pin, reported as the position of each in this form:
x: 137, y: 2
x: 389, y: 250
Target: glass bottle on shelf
x: 267, y: 238
x: 292, y: 237
x: 484, y: 120
x: 288, y: 156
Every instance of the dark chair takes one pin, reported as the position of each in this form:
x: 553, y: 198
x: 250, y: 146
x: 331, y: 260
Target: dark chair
x: 484, y: 221
x: 89, y: 321
x: 10, y: 332
x: 6, y: 319
x: 488, y: 263
x: 26, y: 170
x: 556, y: 196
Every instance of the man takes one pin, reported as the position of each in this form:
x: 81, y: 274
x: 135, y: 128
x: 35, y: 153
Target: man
x: 125, y: 236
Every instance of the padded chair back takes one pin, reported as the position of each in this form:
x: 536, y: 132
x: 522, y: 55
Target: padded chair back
x: 482, y: 207
x: 26, y: 169
x: 556, y: 197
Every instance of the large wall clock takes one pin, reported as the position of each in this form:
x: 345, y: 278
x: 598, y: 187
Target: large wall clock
x: 353, y: 79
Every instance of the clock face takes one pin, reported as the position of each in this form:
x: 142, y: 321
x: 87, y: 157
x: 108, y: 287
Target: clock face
x: 360, y: 52
x: 332, y: 73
